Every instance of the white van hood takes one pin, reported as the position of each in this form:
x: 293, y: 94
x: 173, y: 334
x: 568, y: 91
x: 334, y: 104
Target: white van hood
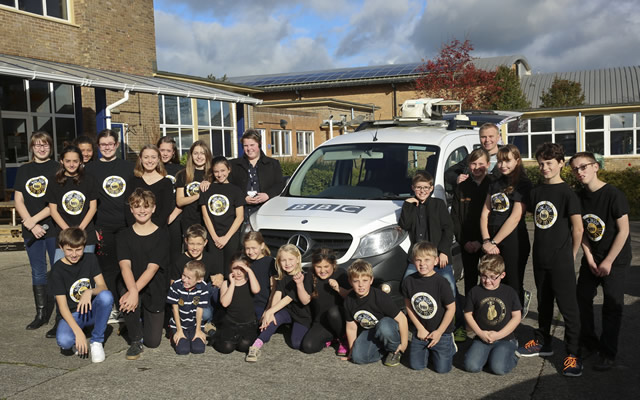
x: 355, y: 217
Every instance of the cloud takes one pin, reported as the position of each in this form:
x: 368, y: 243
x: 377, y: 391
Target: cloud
x: 243, y: 48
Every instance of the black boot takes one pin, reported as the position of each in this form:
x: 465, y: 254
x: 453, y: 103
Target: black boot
x: 40, y: 297
x: 51, y: 333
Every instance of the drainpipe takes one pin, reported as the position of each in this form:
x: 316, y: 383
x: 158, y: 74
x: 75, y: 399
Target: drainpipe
x: 580, y: 133
x: 114, y: 105
x: 331, y: 127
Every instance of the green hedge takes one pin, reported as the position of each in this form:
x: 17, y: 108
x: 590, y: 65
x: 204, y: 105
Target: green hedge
x: 627, y: 180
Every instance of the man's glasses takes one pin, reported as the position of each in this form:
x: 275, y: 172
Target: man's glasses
x: 583, y: 167
x: 107, y: 145
x: 422, y: 188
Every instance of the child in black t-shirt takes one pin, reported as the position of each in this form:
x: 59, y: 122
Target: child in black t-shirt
x: 193, y: 180
x: 143, y: 256
x: 329, y: 285
x: 493, y: 312
x: 188, y: 297
x: 263, y: 266
x: 223, y: 213
x: 82, y: 297
x: 72, y: 198
x: 239, y: 326
x: 430, y: 306
x: 288, y: 302
x: 558, y: 233
x: 607, y: 255
x: 375, y: 325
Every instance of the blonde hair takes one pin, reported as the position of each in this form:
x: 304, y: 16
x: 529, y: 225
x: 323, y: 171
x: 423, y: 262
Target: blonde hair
x: 360, y: 268
x: 424, y: 247
x: 138, y: 171
x: 197, y: 267
x: 491, y: 263
x: 293, y: 250
x: 257, y: 237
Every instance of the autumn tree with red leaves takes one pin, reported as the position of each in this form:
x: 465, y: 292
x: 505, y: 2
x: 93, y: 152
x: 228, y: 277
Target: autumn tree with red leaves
x: 453, y: 76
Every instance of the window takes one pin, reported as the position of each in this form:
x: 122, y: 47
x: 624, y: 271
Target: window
x: 594, y: 133
x: 280, y: 143
x: 214, y: 123
x: 622, y: 128
x: 29, y: 106
x: 47, y: 8
x: 304, y: 142
x: 530, y: 134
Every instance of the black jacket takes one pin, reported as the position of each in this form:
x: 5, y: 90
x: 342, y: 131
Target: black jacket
x: 269, y: 174
x: 452, y: 173
x: 439, y: 221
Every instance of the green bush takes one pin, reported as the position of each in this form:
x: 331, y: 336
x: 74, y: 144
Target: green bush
x: 627, y: 180
x: 289, y: 166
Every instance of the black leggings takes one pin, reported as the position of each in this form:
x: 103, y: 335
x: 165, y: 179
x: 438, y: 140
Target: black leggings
x: 235, y: 336
x: 514, y: 250
x: 149, y: 328
x: 327, y: 326
x: 222, y: 257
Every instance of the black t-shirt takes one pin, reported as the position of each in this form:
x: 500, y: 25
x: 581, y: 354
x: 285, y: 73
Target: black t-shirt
x: 502, y: 203
x: 165, y: 199
x: 429, y: 296
x: 221, y: 201
x: 72, y: 201
x: 111, y: 185
x: 367, y: 311
x: 32, y: 180
x: 327, y: 297
x: 72, y: 280
x: 466, y: 208
x: 141, y: 251
x: 241, y: 308
x: 492, y: 308
x: 552, y: 208
x: 191, y: 213
x: 263, y: 268
x: 299, y: 312
x: 172, y: 171
x: 600, y: 211
x: 178, y: 267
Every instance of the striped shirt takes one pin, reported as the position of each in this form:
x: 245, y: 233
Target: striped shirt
x: 188, y: 302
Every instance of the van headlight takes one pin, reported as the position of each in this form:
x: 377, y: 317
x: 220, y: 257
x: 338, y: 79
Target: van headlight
x: 380, y: 241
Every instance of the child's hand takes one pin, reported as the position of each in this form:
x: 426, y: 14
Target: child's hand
x: 204, y: 186
x: 84, y: 305
x: 129, y: 302
x: 81, y: 344
x: 492, y: 336
x: 485, y: 336
x: 334, y: 285
x: 298, y: 278
x: 422, y: 333
x: 412, y: 200
x: 217, y: 279
x: 221, y: 241
x: 444, y: 260
x: 232, y: 280
x: 200, y: 335
x: 267, y: 318
x: 401, y: 348
x: 604, y: 269
x: 178, y: 335
x: 434, y: 336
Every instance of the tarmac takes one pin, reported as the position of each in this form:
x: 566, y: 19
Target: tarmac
x: 31, y: 366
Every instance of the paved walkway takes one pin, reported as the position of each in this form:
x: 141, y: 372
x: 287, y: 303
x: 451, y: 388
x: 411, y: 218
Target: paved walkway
x: 31, y: 366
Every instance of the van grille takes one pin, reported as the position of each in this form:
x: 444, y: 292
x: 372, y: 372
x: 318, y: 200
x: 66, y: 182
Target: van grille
x: 338, y: 242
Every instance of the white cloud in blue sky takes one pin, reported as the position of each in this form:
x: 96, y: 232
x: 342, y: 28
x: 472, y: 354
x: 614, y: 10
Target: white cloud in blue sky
x: 248, y: 37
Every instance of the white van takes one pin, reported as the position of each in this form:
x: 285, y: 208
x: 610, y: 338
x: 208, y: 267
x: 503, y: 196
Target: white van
x: 348, y: 193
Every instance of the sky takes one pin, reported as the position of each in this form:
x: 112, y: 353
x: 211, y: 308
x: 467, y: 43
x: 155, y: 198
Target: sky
x: 254, y: 37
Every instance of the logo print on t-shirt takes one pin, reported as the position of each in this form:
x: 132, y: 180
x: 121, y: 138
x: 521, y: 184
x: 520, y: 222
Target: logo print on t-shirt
x: 218, y: 204
x: 424, y: 305
x: 365, y: 319
x: 37, y: 186
x: 171, y: 178
x: 114, y: 185
x: 192, y: 189
x: 594, y: 226
x: 500, y: 202
x: 78, y: 287
x: 496, y: 311
x: 73, y: 202
x: 545, y: 214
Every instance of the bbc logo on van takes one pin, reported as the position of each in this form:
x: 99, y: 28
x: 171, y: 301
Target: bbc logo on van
x: 345, y: 208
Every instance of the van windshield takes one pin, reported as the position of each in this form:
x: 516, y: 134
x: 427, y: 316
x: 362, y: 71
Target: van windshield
x: 362, y: 171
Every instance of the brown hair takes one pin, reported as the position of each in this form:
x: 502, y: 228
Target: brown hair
x: 252, y: 134
x: 257, y: 237
x: 319, y: 255
x: 550, y: 151
x: 168, y: 139
x: 359, y: 268
x: 197, y: 267
x: 138, y: 171
x: 478, y: 153
x: 491, y: 263
x: 60, y: 176
x: 72, y: 237
x: 189, y: 170
x: 583, y: 154
x: 489, y: 125
x: 41, y: 136
x: 240, y: 257
x: 511, y: 151
x: 422, y: 176
x: 142, y: 196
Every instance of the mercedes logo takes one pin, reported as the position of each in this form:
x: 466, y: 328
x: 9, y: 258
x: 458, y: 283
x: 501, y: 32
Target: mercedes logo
x: 302, y: 241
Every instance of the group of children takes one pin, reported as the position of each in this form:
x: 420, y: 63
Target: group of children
x: 248, y: 295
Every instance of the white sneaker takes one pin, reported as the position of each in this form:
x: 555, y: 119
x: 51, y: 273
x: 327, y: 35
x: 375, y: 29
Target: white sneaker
x: 252, y: 355
x: 115, y: 317
x: 97, y: 352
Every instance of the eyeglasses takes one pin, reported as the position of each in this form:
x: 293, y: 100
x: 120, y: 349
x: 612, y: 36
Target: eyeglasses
x: 422, y: 188
x: 583, y: 167
x: 41, y: 145
x: 490, y: 278
x: 107, y: 145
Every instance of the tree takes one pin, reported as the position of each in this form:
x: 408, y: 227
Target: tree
x: 453, y: 76
x: 510, y: 96
x: 562, y: 93
x: 212, y: 77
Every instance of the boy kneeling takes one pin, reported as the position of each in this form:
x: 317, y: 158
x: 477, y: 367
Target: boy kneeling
x: 81, y: 295
x: 493, y: 312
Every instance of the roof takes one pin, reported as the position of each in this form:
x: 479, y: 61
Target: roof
x: 609, y: 86
x: 329, y: 102
x: 29, y: 68
x: 390, y: 73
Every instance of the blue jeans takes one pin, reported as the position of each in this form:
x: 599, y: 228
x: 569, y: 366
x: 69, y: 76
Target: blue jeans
x: 37, y: 254
x: 97, y: 316
x: 90, y: 248
x: 441, y: 354
x: 208, y: 311
x: 372, y: 344
x: 500, y: 356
